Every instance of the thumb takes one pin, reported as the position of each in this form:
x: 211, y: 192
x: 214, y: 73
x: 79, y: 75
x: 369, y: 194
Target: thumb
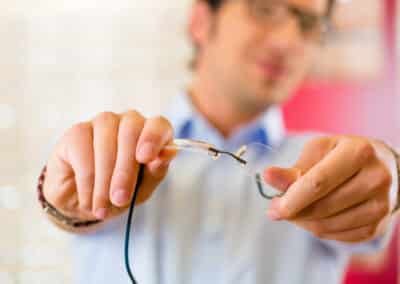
x: 281, y: 178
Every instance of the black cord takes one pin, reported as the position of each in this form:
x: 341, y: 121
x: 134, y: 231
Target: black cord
x: 129, y: 224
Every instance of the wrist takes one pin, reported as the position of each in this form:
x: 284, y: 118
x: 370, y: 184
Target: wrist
x: 54, y: 213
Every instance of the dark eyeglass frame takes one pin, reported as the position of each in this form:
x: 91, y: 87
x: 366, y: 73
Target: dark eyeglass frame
x: 311, y: 25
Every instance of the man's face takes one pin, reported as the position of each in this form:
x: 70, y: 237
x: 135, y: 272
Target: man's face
x: 257, y: 49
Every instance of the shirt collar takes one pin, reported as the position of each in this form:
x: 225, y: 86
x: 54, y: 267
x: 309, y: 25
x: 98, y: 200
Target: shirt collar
x: 188, y: 122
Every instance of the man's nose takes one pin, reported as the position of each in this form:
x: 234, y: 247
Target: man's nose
x: 284, y: 38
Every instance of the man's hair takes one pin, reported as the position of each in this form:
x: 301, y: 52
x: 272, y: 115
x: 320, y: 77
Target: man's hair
x: 216, y: 4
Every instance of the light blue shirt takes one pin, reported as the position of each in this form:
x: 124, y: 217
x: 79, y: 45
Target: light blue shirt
x: 206, y: 223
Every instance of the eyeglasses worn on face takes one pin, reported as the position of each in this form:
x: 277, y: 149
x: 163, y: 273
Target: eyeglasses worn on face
x: 276, y: 12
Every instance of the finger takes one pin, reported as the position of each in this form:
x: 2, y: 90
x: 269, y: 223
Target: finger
x: 314, y: 151
x: 370, y: 181
x: 353, y: 236
x: 55, y: 188
x: 151, y: 179
x: 60, y: 188
x: 281, y: 178
x: 335, y: 168
x: 79, y: 154
x: 105, y: 153
x: 126, y: 167
x: 366, y: 213
x: 156, y: 133
x: 164, y: 159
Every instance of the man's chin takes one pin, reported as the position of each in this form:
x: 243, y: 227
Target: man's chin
x: 272, y: 96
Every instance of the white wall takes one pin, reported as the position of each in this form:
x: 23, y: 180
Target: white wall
x: 63, y: 61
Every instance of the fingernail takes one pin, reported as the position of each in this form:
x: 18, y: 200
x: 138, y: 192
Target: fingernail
x: 274, y: 215
x: 145, y: 152
x: 101, y: 213
x: 121, y: 197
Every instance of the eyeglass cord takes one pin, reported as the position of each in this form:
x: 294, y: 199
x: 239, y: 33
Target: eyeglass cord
x: 129, y: 224
x: 132, y: 208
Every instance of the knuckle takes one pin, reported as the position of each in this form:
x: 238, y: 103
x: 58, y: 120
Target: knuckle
x: 164, y: 123
x: 320, y: 142
x: 380, y: 207
x: 157, y: 130
x: 79, y: 129
x: 134, y: 114
x: 319, y: 234
x: 365, y: 151
x: 317, y: 141
x: 379, y: 181
x: 74, y: 138
x: 136, y: 117
x: 105, y: 118
x: 131, y: 129
x: 317, y: 183
x: 369, y: 231
x: 384, y: 208
x: 373, y: 184
x: 385, y: 177
x: 318, y: 228
x: 162, y: 120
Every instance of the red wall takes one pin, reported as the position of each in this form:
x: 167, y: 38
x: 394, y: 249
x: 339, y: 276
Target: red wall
x: 371, y: 109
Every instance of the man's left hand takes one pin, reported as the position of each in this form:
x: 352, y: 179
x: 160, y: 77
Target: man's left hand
x: 337, y: 190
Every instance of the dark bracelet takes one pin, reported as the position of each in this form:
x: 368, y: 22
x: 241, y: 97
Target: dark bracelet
x: 52, y: 211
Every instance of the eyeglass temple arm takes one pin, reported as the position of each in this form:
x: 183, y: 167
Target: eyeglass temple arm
x: 200, y: 146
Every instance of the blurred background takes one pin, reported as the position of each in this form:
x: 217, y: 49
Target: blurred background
x: 64, y: 61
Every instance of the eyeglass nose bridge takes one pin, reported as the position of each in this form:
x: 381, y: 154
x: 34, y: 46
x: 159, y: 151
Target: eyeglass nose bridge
x: 261, y: 189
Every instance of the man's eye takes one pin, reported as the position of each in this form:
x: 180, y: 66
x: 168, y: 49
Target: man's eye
x: 308, y: 22
x: 266, y: 10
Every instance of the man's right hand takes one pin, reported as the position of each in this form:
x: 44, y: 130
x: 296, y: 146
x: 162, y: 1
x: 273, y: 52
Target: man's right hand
x: 92, y: 171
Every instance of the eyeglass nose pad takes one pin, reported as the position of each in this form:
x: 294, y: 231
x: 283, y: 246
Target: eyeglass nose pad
x: 241, y: 151
x: 261, y: 189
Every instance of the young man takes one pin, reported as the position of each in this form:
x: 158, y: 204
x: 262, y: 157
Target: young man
x: 206, y: 224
